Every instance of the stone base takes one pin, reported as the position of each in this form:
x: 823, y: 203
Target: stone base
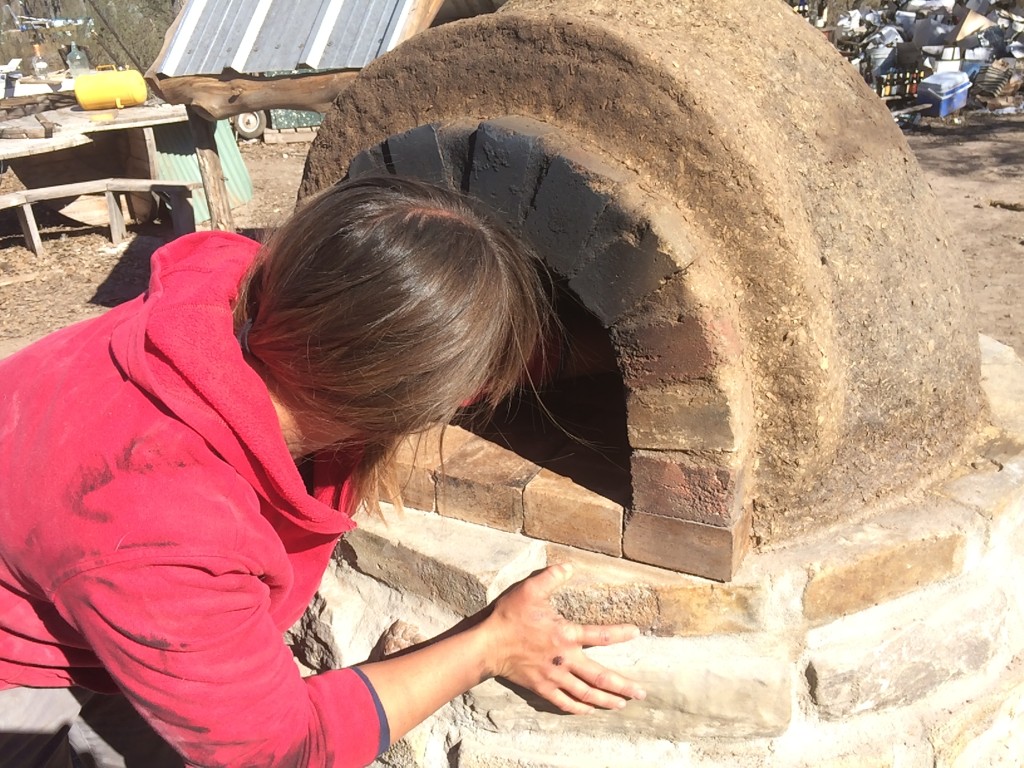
x: 894, y: 640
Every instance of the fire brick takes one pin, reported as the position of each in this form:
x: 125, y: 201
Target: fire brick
x: 484, y: 483
x: 677, y: 486
x: 456, y: 140
x: 557, y: 509
x: 567, y: 206
x: 368, y: 163
x: 637, y: 244
x: 507, y: 163
x: 419, y: 461
x: 685, y: 417
x: 682, y: 545
x: 664, y: 353
x: 417, y: 153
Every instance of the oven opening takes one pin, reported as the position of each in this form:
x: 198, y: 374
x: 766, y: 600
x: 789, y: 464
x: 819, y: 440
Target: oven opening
x: 575, y: 423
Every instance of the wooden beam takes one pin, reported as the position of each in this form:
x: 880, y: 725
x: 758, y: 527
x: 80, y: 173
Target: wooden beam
x: 211, y: 171
x: 182, y: 215
x: 217, y: 97
x: 22, y: 196
x: 420, y: 17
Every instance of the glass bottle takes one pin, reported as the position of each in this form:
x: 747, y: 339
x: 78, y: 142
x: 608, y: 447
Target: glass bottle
x: 78, y: 62
x: 39, y: 66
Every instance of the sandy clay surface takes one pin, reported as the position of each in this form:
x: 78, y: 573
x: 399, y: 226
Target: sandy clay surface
x: 976, y: 168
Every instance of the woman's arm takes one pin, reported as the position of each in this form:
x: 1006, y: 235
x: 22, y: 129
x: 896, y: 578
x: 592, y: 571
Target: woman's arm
x: 524, y: 640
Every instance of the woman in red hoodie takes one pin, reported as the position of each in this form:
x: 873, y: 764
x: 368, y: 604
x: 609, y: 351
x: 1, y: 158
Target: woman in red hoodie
x: 175, y: 474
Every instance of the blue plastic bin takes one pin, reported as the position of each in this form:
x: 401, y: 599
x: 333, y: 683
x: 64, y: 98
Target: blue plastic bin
x: 944, y: 92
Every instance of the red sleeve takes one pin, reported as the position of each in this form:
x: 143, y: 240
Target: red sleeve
x: 193, y: 646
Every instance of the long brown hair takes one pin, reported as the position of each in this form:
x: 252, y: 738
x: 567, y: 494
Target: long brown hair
x: 383, y: 305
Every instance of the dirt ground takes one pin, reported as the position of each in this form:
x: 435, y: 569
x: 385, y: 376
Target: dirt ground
x: 82, y: 274
x: 976, y: 168
x: 977, y: 171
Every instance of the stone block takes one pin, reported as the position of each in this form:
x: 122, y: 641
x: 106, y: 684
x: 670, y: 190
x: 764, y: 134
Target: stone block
x: 727, y: 689
x: 1002, y: 379
x: 369, y: 162
x: 404, y: 753
x: 881, y: 566
x: 598, y: 603
x: 545, y: 750
x: 660, y: 602
x: 691, y: 611
x: 870, y: 742
x: 422, y: 747
x: 484, y: 483
x: 923, y: 542
x: 986, y: 730
x: 708, y: 609
x: 696, y: 416
x: 461, y: 565
x: 898, y: 653
x: 676, y: 485
x: 312, y: 639
x: 996, y: 490
x: 417, y: 153
x: 507, y: 163
x: 682, y: 545
x: 557, y: 509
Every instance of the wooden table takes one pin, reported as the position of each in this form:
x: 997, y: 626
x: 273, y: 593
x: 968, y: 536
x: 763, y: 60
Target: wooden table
x: 85, y: 146
x: 75, y: 126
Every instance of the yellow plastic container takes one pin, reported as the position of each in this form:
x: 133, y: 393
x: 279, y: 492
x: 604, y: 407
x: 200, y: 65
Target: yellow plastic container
x: 110, y: 89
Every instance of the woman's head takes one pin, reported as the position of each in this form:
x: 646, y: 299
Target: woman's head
x: 385, y: 303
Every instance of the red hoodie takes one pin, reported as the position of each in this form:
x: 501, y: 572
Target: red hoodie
x: 157, y: 536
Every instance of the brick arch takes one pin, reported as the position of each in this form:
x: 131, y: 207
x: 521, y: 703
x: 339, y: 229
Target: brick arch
x: 629, y: 259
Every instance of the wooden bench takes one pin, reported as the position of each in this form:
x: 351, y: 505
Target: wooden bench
x: 179, y: 194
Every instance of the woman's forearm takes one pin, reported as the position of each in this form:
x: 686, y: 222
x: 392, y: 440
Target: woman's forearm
x: 413, y: 685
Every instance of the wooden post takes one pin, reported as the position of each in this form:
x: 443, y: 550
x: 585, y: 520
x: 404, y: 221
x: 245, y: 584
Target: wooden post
x: 182, y: 216
x: 118, y: 232
x: 28, y: 228
x: 212, y: 173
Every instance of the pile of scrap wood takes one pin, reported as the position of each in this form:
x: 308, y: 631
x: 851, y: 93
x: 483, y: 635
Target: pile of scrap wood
x: 25, y: 117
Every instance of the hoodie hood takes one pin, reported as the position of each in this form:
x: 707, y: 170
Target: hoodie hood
x: 180, y: 347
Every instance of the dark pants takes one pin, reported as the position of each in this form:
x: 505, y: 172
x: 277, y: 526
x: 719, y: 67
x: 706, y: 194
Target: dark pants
x: 76, y: 728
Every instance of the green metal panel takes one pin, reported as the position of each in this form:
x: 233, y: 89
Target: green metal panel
x: 176, y: 161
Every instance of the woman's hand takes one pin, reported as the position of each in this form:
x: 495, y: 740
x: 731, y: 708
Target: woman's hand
x: 533, y: 646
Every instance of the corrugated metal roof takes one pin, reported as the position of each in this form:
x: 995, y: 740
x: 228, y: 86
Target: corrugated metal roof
x: 254, y: 36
